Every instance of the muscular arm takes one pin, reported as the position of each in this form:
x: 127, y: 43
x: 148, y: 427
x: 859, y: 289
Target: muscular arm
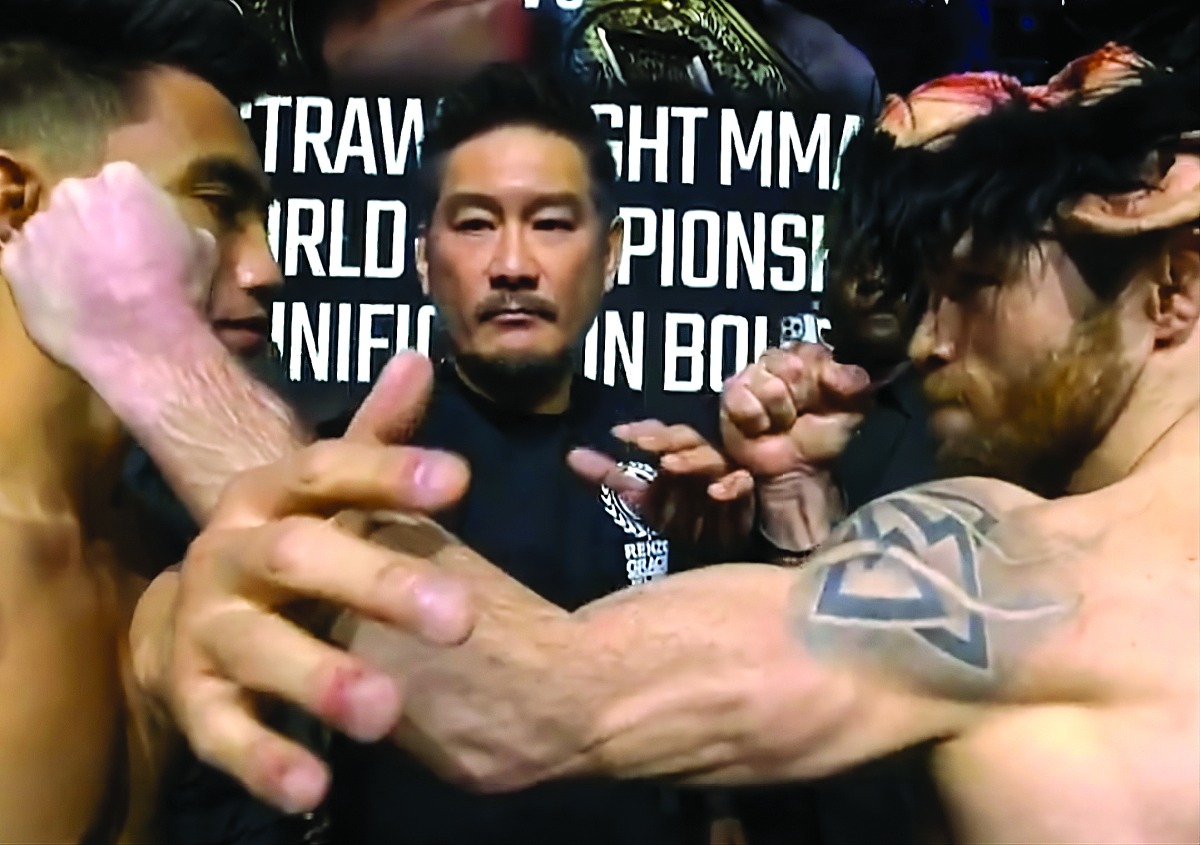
x: 901, y: 629
x: 199, y: 414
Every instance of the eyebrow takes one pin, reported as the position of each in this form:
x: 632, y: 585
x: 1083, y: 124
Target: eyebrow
x: 250, y: 188
x: 564, y: 199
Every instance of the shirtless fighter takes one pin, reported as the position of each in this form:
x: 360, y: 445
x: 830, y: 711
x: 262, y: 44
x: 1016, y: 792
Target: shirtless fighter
x: 84, y: 82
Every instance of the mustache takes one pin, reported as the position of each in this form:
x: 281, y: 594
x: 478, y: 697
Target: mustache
x: 515, y: 301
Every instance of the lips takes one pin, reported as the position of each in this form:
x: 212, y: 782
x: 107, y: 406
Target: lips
x: 244, y: 335
x: 516, y: 313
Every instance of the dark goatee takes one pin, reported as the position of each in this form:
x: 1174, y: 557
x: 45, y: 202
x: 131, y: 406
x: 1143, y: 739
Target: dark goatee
x: 518, y: 383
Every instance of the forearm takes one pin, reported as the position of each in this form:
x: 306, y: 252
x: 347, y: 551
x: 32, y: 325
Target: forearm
x: 198, y: 413
x: 710, y: 685
x: 695, y: 677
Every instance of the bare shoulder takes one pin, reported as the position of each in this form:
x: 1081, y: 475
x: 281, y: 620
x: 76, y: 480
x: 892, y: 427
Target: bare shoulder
x: 952, y: 589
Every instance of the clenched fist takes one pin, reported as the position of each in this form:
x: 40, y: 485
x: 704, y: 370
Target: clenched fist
x: 792, y: 410
x: 786, y: 418
x: 108, y: 263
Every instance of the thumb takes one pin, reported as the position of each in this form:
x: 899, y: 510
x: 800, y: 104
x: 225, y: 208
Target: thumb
x: 397, y: 403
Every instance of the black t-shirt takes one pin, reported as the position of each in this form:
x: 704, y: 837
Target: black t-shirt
x: 526, y: 512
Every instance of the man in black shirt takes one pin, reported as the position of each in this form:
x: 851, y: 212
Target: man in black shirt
x: 520, y: 243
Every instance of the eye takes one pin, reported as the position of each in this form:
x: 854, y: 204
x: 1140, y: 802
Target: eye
x: 223, y: 206
x: 554, y: 224
x: 472, y: 224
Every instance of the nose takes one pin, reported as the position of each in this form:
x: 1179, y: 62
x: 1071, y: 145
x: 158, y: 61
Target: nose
x: 934, y: 343
x: 513, y: 266
x: 255, y: 270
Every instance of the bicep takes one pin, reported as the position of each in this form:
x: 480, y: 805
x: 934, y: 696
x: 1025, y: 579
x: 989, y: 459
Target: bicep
x: 912, y: 618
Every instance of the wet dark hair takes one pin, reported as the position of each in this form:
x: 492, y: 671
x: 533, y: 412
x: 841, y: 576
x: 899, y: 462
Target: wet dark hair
x: 506, y: 94
x: 68, y: 68
x: 1003, y: 178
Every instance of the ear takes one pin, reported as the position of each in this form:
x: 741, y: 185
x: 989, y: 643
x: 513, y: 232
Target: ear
x: 21, y: 191
x: 1177, y: 292
x: 614, y: 249
x: 1173, y: 201
x: 422, y: 258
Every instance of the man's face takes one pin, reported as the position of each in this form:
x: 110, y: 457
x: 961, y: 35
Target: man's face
x: 1025, y: 369
x: 516, y: 256
x: 191, y: 141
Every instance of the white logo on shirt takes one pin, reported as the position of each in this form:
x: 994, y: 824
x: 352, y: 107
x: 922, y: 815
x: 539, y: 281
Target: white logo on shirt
x: 647, y: 558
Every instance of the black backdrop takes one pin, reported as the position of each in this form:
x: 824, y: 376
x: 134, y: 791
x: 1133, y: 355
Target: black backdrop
x: 724, y: 185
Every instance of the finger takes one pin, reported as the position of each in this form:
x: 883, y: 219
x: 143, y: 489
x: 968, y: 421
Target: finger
x: 396, y: 403
x: 266, y: 653
x: 732, y: 486
x: 224, y: 733
x: 790, y: 364
x: 301, y: 557
x: 332, y: 475
x: 776, y: 398
x: 701, y: 461
x: 743, y: 409
x: 634, y: 432
x: 830, y: 433
x: 600, y: 470
x: 843, y: 380
x: 680, y: 438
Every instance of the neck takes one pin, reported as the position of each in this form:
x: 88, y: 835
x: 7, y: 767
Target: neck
x: 553, y: 400
x: 59, y: 445
x: 1164, y: 400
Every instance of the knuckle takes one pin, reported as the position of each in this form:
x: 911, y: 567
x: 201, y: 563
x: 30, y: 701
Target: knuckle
x: 773, y: 389
x: 316, y: 464
x: 397, y: 580
x: 681, y: 433
x: 328, y: 688
x: 241, y: 493
x: 290, y: 548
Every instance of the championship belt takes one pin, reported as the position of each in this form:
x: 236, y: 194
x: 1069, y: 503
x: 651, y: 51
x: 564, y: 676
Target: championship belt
x: 701, y: 48
x: 281, y: 22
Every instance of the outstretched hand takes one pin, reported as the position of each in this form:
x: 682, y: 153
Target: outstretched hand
x: 290, y: 546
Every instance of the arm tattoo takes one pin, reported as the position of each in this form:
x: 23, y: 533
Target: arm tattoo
x: 917, y: 583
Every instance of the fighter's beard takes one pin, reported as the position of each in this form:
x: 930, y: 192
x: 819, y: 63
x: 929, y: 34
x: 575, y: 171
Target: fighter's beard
x: 1039, y: 429
x: 519, y: 383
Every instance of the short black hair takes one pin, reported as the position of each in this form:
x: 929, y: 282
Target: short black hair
x: 68, y: 68
x: 1003, y: 178
x: 509, y: 94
